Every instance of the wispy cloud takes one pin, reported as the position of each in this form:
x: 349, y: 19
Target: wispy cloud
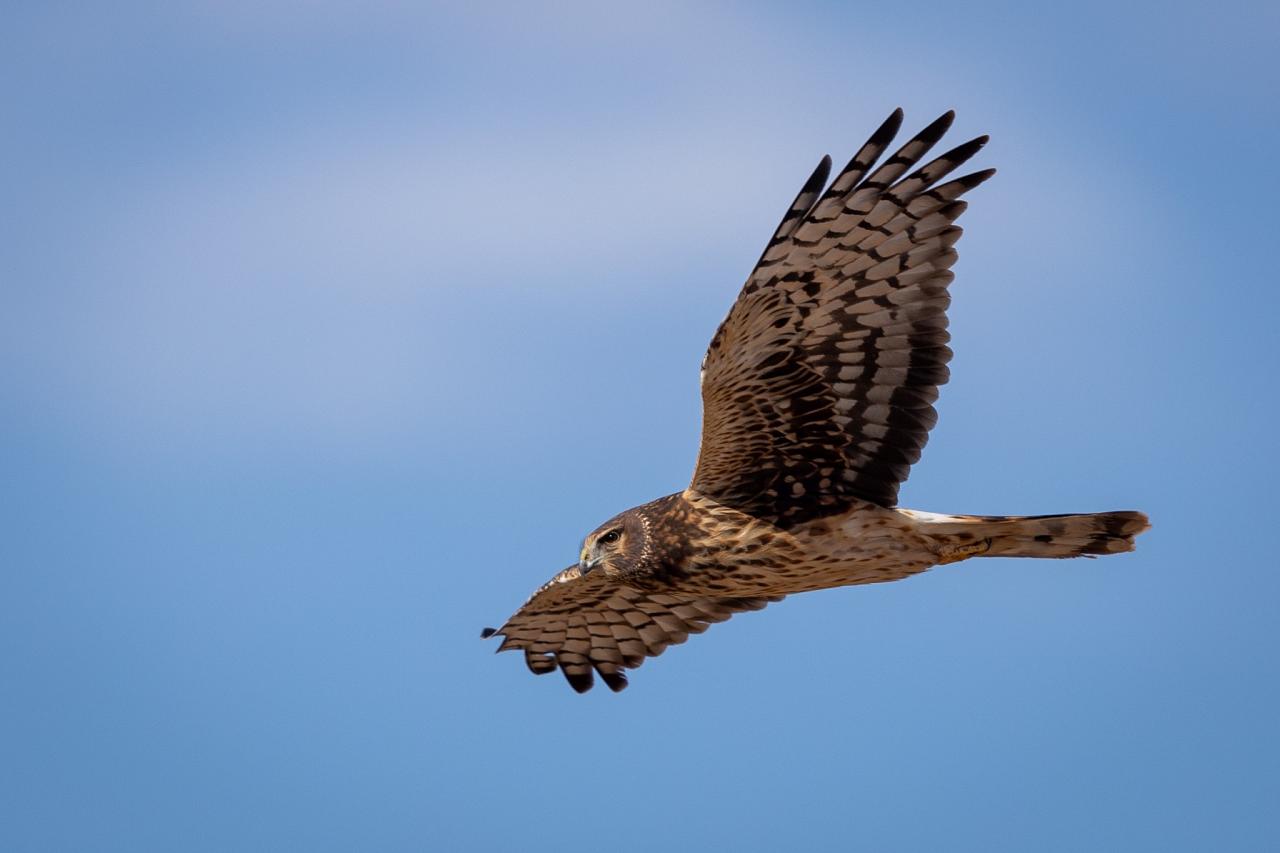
x: 294, y: 276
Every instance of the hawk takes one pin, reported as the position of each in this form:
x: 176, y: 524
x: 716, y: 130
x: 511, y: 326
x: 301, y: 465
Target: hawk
x: 818, y: 392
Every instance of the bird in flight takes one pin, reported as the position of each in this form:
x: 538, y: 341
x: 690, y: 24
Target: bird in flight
x: 817, y: 395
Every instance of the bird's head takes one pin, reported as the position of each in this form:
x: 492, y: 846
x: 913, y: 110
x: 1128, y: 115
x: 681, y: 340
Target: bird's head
x: 614, y: 547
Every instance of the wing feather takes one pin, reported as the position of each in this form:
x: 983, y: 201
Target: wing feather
x: 818, y: 388
x: 597, y: 626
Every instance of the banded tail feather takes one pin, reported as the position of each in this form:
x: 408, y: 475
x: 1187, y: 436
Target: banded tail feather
x: 1058, y: 536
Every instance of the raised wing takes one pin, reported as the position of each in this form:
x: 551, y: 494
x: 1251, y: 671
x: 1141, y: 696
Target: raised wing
x: 579, y: 625
x: 818, y: 388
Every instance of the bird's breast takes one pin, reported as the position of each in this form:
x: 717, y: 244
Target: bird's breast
x: 744, y: 556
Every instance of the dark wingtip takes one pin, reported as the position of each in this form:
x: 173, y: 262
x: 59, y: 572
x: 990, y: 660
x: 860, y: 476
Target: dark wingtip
x: 486, y: 633
x: 972, y: 180
x: 888, y: 130
x: 581, y: 682
x: 937, y: 127
x: 616, y: 681
x: 961, y: 153
x: 818, y: 179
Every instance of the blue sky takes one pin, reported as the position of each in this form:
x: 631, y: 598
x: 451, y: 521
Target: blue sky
x: 327, y: 331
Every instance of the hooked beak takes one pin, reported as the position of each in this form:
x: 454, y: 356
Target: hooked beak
x: 585, y: 564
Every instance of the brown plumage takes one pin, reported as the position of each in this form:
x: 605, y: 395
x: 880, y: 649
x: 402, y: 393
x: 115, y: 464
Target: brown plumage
x: 818, y: 392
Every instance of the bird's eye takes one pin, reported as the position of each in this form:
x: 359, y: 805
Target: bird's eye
x: 611, y: 537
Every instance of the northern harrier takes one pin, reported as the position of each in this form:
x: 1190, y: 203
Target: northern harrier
x: 817, y: 394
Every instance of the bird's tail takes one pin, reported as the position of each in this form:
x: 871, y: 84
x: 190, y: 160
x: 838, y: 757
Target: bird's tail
x: 1078, y: 535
